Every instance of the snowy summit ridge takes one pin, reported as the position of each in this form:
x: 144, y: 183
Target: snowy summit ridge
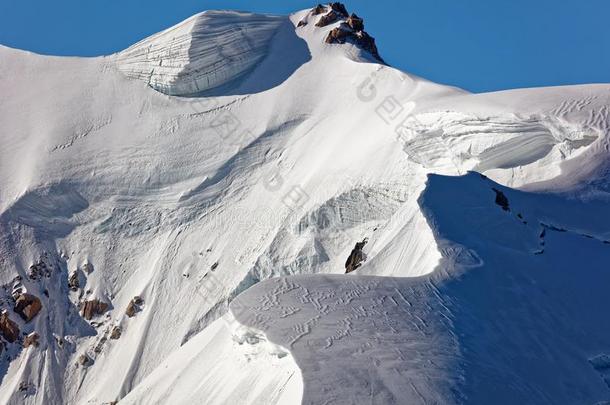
x: 184, y: 213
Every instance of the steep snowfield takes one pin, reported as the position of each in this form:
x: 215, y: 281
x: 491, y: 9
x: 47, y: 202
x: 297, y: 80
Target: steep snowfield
x: 241, y: 366
x: 290, y: 152
x: 515, y: 318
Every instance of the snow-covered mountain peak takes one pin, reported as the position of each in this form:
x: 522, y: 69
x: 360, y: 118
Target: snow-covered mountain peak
x: 139, y: 231
x: 218, y: 50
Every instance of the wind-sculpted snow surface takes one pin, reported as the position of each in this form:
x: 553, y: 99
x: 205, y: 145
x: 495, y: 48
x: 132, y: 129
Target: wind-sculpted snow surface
x: 520, y: 325
x: 358, y: 339
x: 206, y: 51
x: 439, y: 140
x: 223, y: 366
x: 130, y: 219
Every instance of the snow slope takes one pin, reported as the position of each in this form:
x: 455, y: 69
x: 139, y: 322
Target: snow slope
x: 287, y: 152
x: 516, y: 319
x: 272, y: 375
x: 206, y: 51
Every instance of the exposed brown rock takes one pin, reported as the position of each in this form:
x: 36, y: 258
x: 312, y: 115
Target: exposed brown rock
x: 352, y: 29
x: 73, y: 281
x: 39, y: 270
x: 31, y: 340
x: 337, y: 35
x: 100, y: 345
x: 302, y: 23
x: 84, y: 360
x: 116, y: 332
x: 131, y: 310
x: 339, y: 8
x: 356, y: 257
x: 346, y: 32
x: 367, y: 42
x: 93, y: 308
x: 327, y: 19
x: 356, y: 23
x: 27, y: 306
x: 8, y: 328
x: 319, y: 9
x: 134, y: 306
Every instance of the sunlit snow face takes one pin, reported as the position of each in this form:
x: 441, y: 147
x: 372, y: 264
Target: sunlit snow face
x: 200, y: 53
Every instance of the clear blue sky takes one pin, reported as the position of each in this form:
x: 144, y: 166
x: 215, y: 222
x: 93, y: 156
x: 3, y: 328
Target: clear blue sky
x: 478, y: 45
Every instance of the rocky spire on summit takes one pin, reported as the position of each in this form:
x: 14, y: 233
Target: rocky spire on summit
x: 350, y: 28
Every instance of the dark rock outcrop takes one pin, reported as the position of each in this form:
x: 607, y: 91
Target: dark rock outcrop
x: 367, y: 42
x: 31, y: 340
x: 85, y: 360
x: 352, y: 31
x: 337, y: 35
x: 27, y: 306
x: 8, y: 328
x: 134, y: 306
x: 339, y: 8
x: 319, y: 9
x: 39, y: 270
x: 100, y: 344
x: 356, y: 23
x: 26, y: 388
x: 343, y: 33
x: 327, y: 19
x: 60, y: 341
x: 73, y: 281
x: 93, y: 308
x: 116, y: 332
x: 501, y: 200
x: 131, y: 310
x: 356, y: 257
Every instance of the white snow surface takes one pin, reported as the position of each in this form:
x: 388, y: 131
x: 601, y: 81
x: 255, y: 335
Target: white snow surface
x: 249, y: 195
x: 207, y: 50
